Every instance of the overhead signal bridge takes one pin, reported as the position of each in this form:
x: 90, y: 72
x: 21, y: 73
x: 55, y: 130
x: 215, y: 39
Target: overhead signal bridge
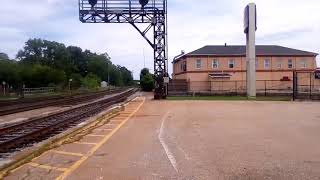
x: 134, y: 12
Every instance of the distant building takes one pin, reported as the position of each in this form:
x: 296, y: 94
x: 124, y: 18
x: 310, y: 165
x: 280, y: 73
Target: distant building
x: 228, y: 63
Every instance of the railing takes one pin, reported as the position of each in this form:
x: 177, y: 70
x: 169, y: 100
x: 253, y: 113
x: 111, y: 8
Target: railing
x: 120, y: 5
x: 42, y: 90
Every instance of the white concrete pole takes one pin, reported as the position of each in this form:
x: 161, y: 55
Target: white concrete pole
x: 251, y: 52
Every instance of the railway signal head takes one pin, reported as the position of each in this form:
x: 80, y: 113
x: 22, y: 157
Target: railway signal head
x: 93, y: 2
x: 143, y: 2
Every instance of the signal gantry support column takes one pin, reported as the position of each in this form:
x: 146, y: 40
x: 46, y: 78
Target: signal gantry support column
x: 135, y: 12
x: 160, y: 61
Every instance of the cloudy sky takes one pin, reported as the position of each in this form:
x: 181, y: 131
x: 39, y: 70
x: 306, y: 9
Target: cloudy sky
x: 291, y: 23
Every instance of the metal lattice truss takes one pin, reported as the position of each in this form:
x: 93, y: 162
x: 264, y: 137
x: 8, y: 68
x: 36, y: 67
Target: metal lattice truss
x: 154, y: 14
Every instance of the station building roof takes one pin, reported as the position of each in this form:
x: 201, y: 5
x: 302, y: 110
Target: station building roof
x: 240, y: 50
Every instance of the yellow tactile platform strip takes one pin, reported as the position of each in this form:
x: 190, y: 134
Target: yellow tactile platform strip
x: 58, y: 160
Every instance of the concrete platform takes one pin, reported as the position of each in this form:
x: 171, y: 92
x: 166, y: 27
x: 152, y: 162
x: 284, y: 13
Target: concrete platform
x: 192, y: 140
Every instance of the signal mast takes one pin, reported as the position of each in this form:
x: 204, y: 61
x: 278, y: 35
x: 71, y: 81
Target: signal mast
x: 134, y: 12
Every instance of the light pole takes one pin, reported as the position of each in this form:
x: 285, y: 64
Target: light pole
x: 70, y: 81
x: 4, y: 88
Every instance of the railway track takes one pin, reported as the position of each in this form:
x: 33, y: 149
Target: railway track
x: 11, y: 107
x: 19, y: 136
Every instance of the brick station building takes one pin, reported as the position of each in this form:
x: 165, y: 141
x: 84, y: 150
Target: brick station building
x: 205, y: 67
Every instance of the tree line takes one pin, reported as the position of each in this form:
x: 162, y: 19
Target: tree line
x: 43, y: 63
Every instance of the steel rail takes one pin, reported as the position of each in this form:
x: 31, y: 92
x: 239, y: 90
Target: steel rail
x: 22, y: 135
x: 7, y: 108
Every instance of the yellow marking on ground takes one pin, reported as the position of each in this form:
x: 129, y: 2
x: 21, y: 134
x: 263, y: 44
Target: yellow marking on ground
x: 95, y: 148
x: 16, y: 169
x: 115, y: 121
x: 118, y: 119
x: 67, y: 153
x: 105, y: 129
x: 40, y: 155
x: 46, y: 167
x: 113, y: 124
x: 122, y: 116
x: 86, y: 143
x: 94, y: 135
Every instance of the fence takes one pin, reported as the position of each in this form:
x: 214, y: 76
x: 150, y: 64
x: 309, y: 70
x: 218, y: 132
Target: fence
x: 42, y: 90
x: 301, y: 85
x: 306, y: 86
x: 264, y: 87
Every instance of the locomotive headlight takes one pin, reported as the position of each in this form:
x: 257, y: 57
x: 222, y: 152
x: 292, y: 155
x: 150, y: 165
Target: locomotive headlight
x: 93, y: 2
x: 143, y: 2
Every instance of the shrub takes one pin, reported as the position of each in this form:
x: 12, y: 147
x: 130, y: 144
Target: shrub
x: 91, y: 81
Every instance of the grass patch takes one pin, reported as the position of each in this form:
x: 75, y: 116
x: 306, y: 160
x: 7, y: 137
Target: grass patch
x: 228, y: 98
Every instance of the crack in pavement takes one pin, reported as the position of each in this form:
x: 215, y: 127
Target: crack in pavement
x: 165, y: 146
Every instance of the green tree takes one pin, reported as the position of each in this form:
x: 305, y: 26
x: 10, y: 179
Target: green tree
x: 144, y: 72
x: 9, y: 72
x: 43, y: 62
x: 4, y: 56
x: 91, y: 81
x: 98, y: 65
x: 79, y: 59
x: 76, y: 80
x: 48, y: 53
x: 146, y: 80
x: 42, y: 76
x: 126, y: 76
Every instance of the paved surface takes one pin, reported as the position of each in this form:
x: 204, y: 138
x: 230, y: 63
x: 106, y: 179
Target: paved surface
x: 194, y: 140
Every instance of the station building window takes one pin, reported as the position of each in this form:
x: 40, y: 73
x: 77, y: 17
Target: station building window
x: 290, y: 63
x: 267, y: 63
x: 198, y: 64
x: 303, y: 64
x: 215, y: 64
x: 184, y: 66
x: 279, y: 64
x: 232, y: 63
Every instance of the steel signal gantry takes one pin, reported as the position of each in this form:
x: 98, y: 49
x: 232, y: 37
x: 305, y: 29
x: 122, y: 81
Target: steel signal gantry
x: 134, y: 12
